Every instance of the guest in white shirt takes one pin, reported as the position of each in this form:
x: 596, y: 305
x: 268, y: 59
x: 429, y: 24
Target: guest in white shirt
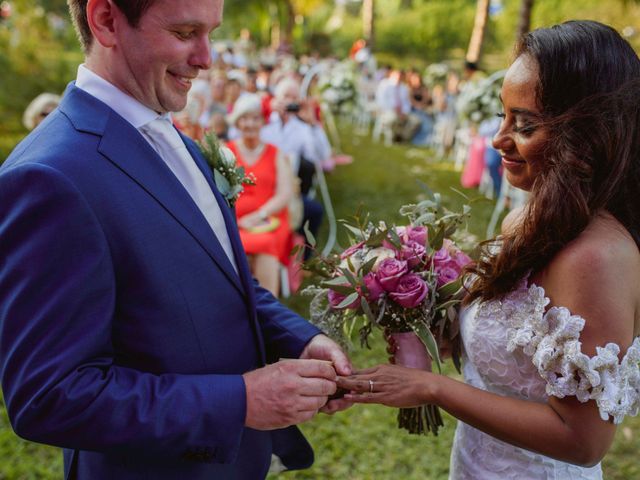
x: 299, y: 140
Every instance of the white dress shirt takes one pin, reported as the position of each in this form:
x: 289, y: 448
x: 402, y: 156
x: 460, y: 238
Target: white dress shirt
x: 294, y: 138
x: 169, y: 145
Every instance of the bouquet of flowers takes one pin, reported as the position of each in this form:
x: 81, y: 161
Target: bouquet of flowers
x: 229, y: 177
x: 404, y: 280
x: 337, y: 86
x: 480, y: 100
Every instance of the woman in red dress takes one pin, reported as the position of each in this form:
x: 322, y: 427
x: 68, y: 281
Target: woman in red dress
x: 261, y: 209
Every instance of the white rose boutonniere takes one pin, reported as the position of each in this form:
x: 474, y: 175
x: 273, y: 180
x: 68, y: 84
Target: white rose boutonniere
x: 229, y: 177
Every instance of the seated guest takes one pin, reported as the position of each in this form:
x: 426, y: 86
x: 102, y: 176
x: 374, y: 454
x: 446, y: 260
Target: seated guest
x: 261, y: 209
x: 39, y: 108
x: 300, y: 141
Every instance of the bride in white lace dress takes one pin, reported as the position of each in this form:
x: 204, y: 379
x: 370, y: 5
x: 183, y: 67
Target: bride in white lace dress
x: 550, y: 328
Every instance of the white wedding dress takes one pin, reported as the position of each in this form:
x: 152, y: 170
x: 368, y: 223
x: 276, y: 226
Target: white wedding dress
x: 513, y: 347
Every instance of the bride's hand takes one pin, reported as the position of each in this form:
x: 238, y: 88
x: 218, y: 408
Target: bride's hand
x: 390, y: 385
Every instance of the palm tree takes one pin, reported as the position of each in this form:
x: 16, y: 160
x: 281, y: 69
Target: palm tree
x: 479, y: 28
x: 368, y: 22
x: 524, y: 22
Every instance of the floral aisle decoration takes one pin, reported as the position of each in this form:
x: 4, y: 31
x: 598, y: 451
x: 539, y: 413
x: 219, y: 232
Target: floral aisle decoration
x: 435, y: 74
x: 229, y: 177
x: 479, y: 101
x: 404, y: 280
x: 337, y: 86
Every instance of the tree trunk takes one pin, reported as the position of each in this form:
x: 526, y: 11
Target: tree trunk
x: 479, y: 28
x: 524, y: 23
x: 286, y: 41
x: 368, y: 22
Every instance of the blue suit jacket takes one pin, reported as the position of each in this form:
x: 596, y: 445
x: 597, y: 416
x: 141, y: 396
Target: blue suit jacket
x: 124, y: 330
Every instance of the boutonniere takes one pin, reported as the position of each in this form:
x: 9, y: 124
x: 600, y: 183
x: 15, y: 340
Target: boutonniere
x: 229, y: 177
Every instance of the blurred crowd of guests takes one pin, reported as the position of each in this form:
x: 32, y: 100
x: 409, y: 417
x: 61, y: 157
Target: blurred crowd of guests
x: 269, y: 114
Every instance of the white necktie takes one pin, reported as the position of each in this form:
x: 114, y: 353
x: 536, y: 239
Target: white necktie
x: 164, y: 138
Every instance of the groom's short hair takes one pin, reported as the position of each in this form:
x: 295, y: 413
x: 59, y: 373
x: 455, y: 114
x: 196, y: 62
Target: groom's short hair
x: 133, y: 10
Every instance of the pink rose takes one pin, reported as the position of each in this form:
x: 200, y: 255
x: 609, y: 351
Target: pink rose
x: 461, y: 259
x: 413, y: 253
x: 446, y: 274
x: 351, y: 250
x: 410, y: 291
x: 390, y: 271
x: 336, y: 299
x: 373, y: 286
x: 441, y: 257
x: 417, y: 234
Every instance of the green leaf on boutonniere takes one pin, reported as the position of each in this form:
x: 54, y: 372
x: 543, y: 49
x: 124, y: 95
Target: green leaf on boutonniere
x: 222, y: 183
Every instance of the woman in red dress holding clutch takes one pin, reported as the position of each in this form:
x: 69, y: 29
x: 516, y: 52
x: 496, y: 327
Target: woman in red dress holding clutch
x: 261, y: 210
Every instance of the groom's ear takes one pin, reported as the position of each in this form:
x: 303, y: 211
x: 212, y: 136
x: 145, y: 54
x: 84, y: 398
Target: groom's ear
x: 104, y: 18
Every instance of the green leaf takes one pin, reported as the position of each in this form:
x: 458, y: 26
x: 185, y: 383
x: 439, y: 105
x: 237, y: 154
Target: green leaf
x: 394, y: 238
x: 426, y: 218
x: 367, y: 310
x: 307, y: 233
x: 358, y: 233
x: 222, y: 183
x: 348, y: 301
x: 341, y: 289
x: 436, y: 241
x: 429, y: 342
x: 350, y: 278
x: 366, y: 268
x: 337, y: 281
x: 448, y: 289
x: 449, y: 303
x: 376, y: 239
x: 462, y: 194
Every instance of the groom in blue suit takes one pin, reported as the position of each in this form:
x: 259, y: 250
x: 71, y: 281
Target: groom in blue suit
x: 131, y: 331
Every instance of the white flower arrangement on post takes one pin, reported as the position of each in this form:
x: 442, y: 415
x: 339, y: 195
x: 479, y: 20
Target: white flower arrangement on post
x: 337, y: 86
x: 480, y: 100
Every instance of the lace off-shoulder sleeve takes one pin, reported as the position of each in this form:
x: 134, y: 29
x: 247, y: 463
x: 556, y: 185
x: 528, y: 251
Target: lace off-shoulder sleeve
x: 552, y: 340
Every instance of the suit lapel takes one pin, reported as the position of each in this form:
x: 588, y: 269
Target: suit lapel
x: 125, y: 147
x: 230, y: 222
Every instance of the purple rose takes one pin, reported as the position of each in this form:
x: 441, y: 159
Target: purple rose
x: 417, y: 234
x: 413, y: 253
x: 336, y: 299
x: 441, y: 258
x: 410, y: 291
x: 373, y: 286
x: 461, y: 259
x: 390, y: 271
x: 351, y: 250
x: 446, y: 274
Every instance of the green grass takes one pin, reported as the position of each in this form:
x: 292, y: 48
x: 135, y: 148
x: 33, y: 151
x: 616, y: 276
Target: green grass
x: 363, y: 442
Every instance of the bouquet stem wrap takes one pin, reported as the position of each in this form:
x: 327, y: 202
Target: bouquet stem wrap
x: 411, y: 352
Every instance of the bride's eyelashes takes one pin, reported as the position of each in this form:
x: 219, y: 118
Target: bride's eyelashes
x: 522, y: 127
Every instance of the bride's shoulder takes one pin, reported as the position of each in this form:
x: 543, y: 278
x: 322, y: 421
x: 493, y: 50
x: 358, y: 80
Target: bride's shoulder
x: 603, y: 250
x: 597, y: 277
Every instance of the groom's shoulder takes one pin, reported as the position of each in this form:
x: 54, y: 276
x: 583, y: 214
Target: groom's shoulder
x: 55, y: 142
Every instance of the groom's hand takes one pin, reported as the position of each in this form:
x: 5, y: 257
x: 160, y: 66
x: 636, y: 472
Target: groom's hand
x: 287, y: 392
x: 322, y: 347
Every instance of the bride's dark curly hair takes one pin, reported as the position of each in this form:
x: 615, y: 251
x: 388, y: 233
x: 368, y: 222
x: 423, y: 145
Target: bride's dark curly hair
x: 589, y: 95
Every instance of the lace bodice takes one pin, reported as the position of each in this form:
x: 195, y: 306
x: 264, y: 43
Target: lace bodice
x: 515, y: 347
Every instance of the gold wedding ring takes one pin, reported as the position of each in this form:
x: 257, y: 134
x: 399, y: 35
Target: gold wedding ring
x: 370, y: 386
